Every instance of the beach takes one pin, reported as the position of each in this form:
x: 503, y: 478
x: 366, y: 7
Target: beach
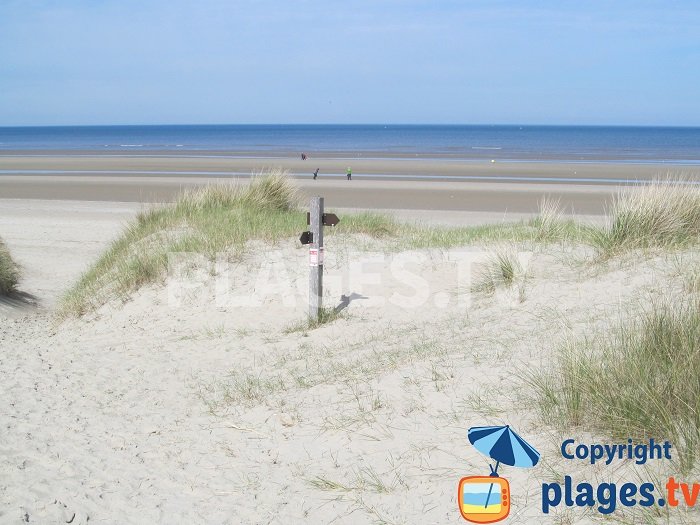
x: 170, y: 404
x: 378, y: 263
x: 378, y: 183
x: 105, y: 190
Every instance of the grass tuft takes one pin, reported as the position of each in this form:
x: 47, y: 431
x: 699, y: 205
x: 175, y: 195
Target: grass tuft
x: 365, y: 479
x: 9, y: 271
x: 502, y: 269
x: 640, y: 380
x: 549, y: 222
x: 206, y: 221
x: 662, y: 214
x: 271, y: 191
x: 374, y: 224
x: 326, y: 315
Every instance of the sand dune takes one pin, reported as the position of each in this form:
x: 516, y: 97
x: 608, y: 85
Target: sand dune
x: 186, y: 408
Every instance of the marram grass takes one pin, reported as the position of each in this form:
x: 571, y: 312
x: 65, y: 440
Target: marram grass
x: 660, y: 215
x: 502, y: 269
x: 223, y: 218
x: 639, y: 380
x: 207, y: 221
x: 9, y: 271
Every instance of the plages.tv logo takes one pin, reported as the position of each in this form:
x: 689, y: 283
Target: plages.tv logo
x: 486, y: 499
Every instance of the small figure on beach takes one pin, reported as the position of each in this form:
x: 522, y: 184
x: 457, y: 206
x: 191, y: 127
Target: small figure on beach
x: 315, y: 173
x: 303, y: 156
x: 349, y: 173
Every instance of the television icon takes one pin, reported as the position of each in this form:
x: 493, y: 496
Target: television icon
x: 484, y: 499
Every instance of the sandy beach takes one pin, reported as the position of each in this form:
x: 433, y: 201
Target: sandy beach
x: 159, y: 408
x: 377, y: 263
x: 378, y: 183
x: 125, y: 416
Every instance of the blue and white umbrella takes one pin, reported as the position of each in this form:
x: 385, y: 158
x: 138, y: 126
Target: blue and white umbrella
x: 503, y: 445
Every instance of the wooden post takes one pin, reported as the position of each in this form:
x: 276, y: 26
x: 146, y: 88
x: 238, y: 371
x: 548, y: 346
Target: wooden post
x: 316, y: 258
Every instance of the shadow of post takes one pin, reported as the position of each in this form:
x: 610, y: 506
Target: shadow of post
x: 345, y: 301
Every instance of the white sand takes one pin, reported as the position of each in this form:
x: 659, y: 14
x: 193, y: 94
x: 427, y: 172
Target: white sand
x: 148, y: 412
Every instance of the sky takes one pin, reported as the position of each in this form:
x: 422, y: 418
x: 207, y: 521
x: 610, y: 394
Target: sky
x: 84, y: 62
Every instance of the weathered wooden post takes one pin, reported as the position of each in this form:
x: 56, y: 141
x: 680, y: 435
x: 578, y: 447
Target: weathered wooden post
x: 314, y: 238
x: 316, y: 258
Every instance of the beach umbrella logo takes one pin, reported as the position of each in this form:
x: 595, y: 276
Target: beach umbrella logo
x: 486, y: 499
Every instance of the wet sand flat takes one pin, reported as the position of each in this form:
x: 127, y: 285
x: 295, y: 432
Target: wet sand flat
x: 378, y: 183
x: 363, y: 194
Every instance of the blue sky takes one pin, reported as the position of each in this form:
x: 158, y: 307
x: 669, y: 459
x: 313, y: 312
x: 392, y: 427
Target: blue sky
x: 370, y: 61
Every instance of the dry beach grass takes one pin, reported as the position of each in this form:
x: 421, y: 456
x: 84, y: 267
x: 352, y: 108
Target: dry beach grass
x: 663, y: 214
x: 9, y: 271
x: 639, y: 379
x: 223, y: 218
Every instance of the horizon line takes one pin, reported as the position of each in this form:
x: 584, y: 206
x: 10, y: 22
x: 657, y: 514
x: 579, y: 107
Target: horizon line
x: 358, y: 124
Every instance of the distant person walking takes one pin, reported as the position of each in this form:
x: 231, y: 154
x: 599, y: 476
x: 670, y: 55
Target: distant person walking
x: 349, y: 173
x: 315, y: 173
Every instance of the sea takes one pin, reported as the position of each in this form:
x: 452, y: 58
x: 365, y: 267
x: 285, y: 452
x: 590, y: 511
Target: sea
x: 616, y: 144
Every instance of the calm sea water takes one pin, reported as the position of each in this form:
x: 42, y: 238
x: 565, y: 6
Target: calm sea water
x: 574, y: 143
